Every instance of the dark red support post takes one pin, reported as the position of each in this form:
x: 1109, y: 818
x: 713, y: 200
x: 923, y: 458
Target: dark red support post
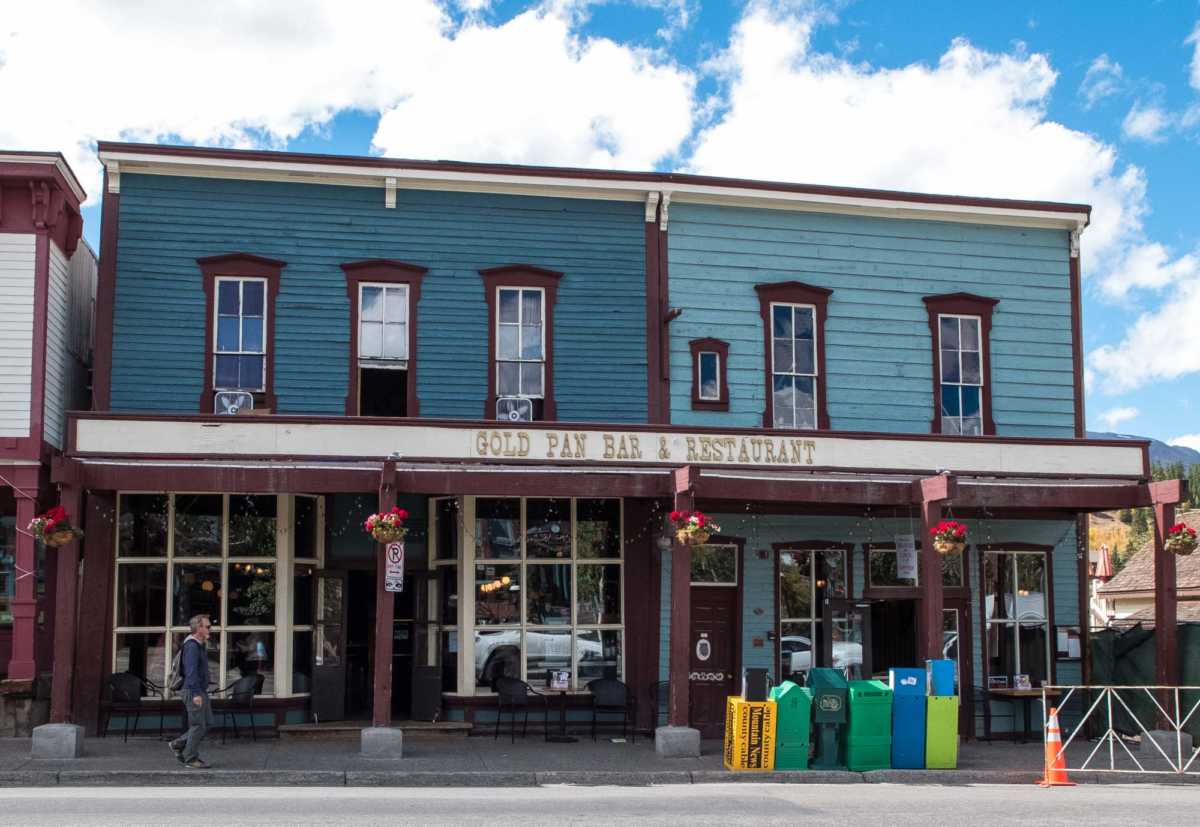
x: 681, y: 603
x: 22, y: 664
x: 1164, y: 496
x: 65, y: 613
x: 381, y: 715
x: 930, y: 494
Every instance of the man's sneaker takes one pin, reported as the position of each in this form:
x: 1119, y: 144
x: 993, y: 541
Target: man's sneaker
x: 196, y: 764
x: 177, y: 750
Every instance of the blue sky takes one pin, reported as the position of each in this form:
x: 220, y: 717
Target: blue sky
x: 1081, y: 101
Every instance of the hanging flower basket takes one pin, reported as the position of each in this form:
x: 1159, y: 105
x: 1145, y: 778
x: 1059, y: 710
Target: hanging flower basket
x: 1180, y: 540
x: 54, y: 527
x: 387, y: 526
x: 949, y: 537
x: 693, y: 528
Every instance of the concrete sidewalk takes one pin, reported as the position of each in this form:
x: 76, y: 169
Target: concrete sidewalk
x: 484, y: 762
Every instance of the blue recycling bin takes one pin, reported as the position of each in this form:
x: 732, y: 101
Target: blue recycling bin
x: 941, y: 677
x: 908, y: 718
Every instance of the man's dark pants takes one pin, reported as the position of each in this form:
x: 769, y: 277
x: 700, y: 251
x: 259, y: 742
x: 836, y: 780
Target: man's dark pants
x: 199, y: 719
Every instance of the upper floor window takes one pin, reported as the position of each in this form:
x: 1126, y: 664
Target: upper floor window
x: 960, y: 325
x: 240, y: 291
x: 794, y: 330
x: 383, y: 298
x: 710, y: 385
x: 521, y: 301
x: 240, y: 352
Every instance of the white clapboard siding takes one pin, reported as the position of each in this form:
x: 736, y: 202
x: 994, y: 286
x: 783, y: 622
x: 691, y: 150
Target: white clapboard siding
x: 59, y: 368
x: 16, y: 332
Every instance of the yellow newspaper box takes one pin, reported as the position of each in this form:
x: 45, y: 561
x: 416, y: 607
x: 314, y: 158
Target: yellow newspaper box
x: 749, y: 734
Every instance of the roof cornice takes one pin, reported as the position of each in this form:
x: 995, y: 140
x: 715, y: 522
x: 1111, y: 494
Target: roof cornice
x: 583, y: 183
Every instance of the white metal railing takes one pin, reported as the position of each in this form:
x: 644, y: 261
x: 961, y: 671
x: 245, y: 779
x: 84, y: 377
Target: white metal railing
x: 1111, y: 700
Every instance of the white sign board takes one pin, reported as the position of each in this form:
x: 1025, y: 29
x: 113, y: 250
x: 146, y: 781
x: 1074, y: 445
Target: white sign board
x: 393, y: 573
x: 906, y: 557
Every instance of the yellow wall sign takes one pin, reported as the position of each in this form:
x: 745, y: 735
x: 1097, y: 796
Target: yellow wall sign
x: 749, y: 734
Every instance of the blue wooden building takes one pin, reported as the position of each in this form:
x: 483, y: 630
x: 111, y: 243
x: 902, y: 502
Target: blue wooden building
x: 539, y: 365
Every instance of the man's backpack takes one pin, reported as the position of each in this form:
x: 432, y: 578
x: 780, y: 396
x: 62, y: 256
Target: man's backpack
x: 176, y: 682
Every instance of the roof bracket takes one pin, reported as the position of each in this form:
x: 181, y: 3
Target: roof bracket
x: 652, y: 207
x: 114, y: 177
x: 662, y: 219
x: 389, y: 193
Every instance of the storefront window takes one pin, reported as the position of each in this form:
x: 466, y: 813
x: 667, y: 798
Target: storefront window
x: 806, y: 578
x: 8, y: 556
x: 180, y: 555
x: 882, y: 570
x: 1016, y: 608
x: 547, y: 579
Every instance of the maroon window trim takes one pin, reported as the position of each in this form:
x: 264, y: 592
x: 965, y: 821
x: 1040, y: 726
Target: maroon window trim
x: 521, y: 275
x: 720, y: 348
x: 239, y: 265
x: 962, y: 304
x: 383, y: 271
x: 794, y: 292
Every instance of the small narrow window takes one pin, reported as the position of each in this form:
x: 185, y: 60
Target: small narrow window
x: 710, y: 388
x: 240, y: 351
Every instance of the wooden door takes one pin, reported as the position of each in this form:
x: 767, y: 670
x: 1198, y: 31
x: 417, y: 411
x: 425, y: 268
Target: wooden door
x: 329, y: 660
x: 714, y: 656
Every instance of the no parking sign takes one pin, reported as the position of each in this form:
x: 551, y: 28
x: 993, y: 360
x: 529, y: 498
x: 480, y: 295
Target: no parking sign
x: 393, y: 573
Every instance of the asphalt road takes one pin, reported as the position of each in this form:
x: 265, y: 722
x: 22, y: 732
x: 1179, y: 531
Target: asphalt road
x: 676, y: 804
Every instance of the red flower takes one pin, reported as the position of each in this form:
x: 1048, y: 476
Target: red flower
x: 56, y: 514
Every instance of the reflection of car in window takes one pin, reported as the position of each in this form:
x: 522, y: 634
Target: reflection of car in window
x: 797, y: 653
x: 499, y: 653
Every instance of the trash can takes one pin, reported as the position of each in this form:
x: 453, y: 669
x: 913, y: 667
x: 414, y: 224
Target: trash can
x: 749, y: 734
x: 868, y: 740
x: 941, y: 732
x: 908, y: 718
x: 940, y: 677
x: 829, y: 692
x: 793, y: 723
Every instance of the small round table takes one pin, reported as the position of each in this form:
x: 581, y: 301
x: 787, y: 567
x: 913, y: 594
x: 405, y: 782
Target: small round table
x: 561, y: 737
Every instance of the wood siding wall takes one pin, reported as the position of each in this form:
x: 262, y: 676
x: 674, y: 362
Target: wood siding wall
x: 879, y: 370
x: 17, y: 259
x: 166, y: 223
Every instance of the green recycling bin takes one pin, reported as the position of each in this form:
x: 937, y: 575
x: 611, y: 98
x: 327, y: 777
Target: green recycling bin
x: 941, y: 732
x: 868, y: 739
x: 793, y: 717
x: 829, y: 712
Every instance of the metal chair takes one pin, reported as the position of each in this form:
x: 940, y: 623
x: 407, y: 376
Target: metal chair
x: 515, y: 695
x: 239, y: 697
x: 660, y: 698
x: 126, y: 691
x: 612, y: 697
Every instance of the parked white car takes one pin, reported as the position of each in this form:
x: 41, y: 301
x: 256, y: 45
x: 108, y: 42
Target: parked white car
x: 499, y: 652
x: 798, y: 655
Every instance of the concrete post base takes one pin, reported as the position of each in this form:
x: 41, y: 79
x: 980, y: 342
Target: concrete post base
x: 677, y: 742
x: 382, y: 742
x: 1166, y: 739
x: 57, y: 741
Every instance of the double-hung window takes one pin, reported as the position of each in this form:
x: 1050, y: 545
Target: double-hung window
x: 240, y: 346
x: 961, y: 365
x: 793, y: 317
x: 794, y: 365
x: 520, y: 342
x: 383, y: 299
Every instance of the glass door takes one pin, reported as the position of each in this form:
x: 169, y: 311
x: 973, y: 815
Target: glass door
x: 329, y: 660
x: 847, y: 646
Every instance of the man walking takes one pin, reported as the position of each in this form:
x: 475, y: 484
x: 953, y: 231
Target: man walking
x: 193, y: 662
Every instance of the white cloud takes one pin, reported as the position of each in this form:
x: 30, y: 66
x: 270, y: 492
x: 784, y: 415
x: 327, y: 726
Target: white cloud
x: 245, y: 73
x: 530, y: 91
x: 1104, y: 79
x: 1150, y: 266
x: 1147, y: 123
x: 1112, y: 418
x: 1194, y: 38
x: 1187, y: 441
x: 1162, y: 344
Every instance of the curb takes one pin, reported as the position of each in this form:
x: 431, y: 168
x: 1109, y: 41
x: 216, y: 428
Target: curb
x: 385, y: 778
x: 582, y: 778
x: 206, y: 778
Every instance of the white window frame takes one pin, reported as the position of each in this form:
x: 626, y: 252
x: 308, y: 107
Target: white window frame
x: 1014, y: 624
x: 383, y: 361
x: 436, y: 628
x: 467, y: 586
x: 283, y: 561
x: 960, y: 384
x: 541, y: 291
x: 714, y: 397
x: 216, y: 323
x: 816, y: 406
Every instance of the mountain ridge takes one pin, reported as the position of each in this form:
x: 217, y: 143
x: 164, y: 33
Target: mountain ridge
x: 1160, y: 452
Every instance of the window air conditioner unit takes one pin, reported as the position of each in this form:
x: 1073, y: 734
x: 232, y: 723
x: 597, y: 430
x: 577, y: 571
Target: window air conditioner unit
x: 231, y: 403
x: 514, y: 408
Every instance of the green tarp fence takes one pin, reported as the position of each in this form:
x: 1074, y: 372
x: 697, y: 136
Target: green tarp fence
x: 1126, y: 658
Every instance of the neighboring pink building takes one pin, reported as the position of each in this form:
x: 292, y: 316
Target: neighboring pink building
x: 48, y: 284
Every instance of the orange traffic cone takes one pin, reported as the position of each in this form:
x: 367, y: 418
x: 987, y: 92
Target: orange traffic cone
x: 1056, y: 759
